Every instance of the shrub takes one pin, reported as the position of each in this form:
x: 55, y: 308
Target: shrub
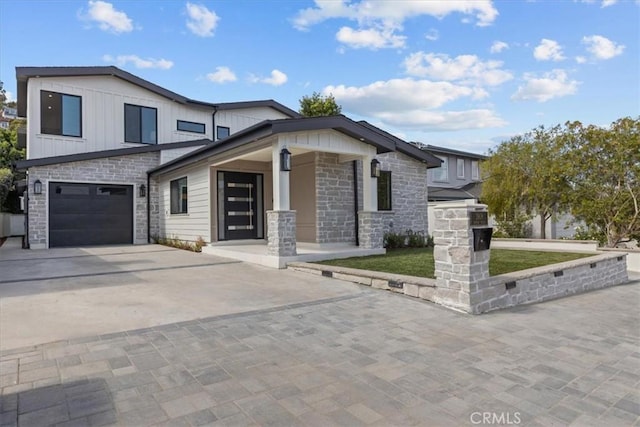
x: 394, y: 240
x: 411, y: 239
x: 180, y: 244
x: 516, y: 226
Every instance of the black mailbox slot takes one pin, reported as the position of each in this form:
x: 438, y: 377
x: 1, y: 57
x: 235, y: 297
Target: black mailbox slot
x: 482, y: 238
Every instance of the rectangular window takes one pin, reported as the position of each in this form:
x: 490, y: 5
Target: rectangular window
x: 460, y: 167
x: 60, y: 114
x: 441, y: 173
x: 140, y: 124
x: 191, y: 126
x: 222, y: 132
x: 475, y: 170
x: 384, y: 191
x: 178, y: 189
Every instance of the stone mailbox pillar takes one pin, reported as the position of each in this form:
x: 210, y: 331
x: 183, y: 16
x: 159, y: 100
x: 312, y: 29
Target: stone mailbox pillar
x: 458, y: 267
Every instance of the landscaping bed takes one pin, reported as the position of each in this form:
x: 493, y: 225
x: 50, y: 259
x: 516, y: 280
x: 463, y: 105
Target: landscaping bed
x: 419, y: 261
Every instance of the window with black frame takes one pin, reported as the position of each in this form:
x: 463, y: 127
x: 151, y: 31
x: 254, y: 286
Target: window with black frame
x: 179, y: 195
x: 140, y: 124
x: 384, y: 191
x: 60, y: 114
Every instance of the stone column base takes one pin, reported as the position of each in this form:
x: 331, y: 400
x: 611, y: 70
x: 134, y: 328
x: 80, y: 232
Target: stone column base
x: 281, y: 233
x: 370, y: 229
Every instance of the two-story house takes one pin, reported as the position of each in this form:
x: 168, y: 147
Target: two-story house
x: 458, y: 177
x: 113, y: 159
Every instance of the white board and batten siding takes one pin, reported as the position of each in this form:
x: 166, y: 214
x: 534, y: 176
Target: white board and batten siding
x: 242, y: 118
x: 103, y: 99
x: 196, y: 222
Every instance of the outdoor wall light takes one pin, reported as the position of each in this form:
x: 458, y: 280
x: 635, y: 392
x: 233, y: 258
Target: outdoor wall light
x: 143, y: 190
x: 285, y: 160
x: 37, y: 187
x: 375, y: 168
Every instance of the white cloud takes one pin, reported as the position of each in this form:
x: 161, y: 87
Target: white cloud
x: 554, y: 84
x: 498, y: 46
x: 10, y: 96
x: 432, y: 35
x: 466, y: 69
x: 202, y: 21
x: 222, y: 75
x: 548, y: 50
x: 277, y: 78
x: 412, y: 103
x: 370, y: 38
x: 108, y: 18
x: 581, y: 59
x: 392, y: 11
x: 601, y: 47
x: 607, y: 3
x: 122, y: 60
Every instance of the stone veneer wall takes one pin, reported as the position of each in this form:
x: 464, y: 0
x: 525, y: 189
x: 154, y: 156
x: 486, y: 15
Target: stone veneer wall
x: 408, y: 193
x: 335, y: 210
x: 549, y: 282
x: 130, y: 170
x: 281, y: 233
x: 335, y: 203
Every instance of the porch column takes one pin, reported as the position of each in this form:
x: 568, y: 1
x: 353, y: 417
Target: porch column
x: 281, y: 233
x: 369, y: 187
x: 281, y: 221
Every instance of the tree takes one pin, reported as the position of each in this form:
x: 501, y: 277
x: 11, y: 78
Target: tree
x: 319, y: 105
x: 523, y: 177
x: 9, y: 153
x: 603, y: 168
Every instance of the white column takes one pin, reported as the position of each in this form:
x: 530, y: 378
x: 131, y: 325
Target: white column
x: 280, y: 181
x: 369, y: 187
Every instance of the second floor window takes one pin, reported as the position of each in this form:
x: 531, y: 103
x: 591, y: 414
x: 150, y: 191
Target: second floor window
x: 185, y: 126
x: 222, y: 132
x: 140, y: 124
x: 475, y: 170
x: 441, y: 173
x: 60, y: 114
x: 460, y: 167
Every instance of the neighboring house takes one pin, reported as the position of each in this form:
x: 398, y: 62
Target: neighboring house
x: 7, y: 114
x: 458, y: 177
x: 112, y: 158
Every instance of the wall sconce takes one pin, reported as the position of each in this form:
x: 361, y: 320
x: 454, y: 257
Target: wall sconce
x: 143, y: 190
x: 375, y: 168
x: 37, y: 187
x: 285, y: 160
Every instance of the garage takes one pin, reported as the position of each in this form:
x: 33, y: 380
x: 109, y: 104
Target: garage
x: 88, y: 214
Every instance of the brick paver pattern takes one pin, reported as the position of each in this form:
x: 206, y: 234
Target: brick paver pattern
x: 374, y: 359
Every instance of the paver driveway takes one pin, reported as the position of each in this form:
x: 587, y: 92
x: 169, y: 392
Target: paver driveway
x: 363, y: 358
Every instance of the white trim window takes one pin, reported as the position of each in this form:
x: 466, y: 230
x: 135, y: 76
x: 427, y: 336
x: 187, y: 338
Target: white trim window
x: 441, y: 173
x: 178, y: 195
x: 460, y: 168
x: 475, y: 170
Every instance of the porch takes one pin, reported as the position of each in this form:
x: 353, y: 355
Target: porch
x: 256, y: 252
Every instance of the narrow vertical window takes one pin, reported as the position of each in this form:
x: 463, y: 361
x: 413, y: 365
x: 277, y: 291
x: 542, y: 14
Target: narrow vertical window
x: 475, y: 170
x: 179, y: 195
x: 441, y: 173
x: 460, y: 167
x: 384, y: 191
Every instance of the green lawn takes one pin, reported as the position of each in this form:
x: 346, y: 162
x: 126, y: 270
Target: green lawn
x: 419, y: 261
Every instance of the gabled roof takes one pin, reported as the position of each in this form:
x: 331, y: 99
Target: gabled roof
x: 368, y: 134
x: 23, y: 74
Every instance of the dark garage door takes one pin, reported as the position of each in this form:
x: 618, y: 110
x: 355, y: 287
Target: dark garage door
x: 90, y: 214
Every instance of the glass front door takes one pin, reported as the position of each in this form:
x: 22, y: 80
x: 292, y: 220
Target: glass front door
x: 240, y: 206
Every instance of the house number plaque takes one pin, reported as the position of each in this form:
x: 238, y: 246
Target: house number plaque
x: 479, y: 219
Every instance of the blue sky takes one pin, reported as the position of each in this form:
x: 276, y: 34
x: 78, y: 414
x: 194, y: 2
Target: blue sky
x: 464, y: 74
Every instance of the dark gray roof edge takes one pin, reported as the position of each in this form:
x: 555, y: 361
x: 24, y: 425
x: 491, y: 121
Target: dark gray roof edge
x: 258, y: 103
x: 405, y: 148
x: 266, y: 128
x: 25, y: 73
x: 25, y: 164
x: 438, y: 149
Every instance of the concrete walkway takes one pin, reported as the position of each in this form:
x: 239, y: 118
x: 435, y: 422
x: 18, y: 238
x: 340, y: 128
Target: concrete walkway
x: 362, y: 358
